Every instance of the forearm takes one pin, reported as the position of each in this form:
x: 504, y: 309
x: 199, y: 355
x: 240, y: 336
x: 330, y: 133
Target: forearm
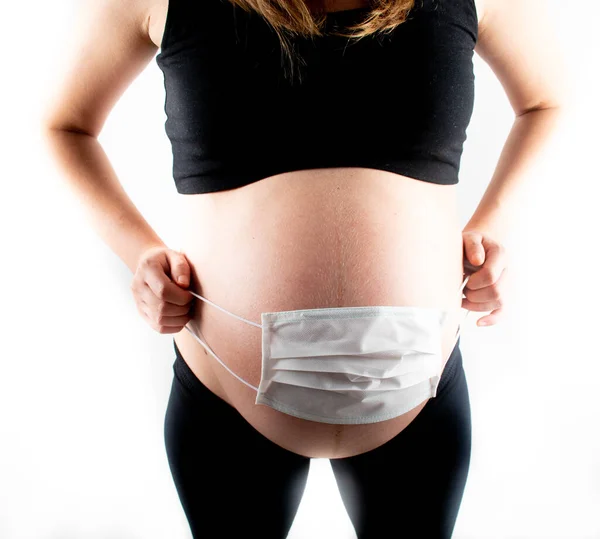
x: 502, y: 200
x: 90, y: 177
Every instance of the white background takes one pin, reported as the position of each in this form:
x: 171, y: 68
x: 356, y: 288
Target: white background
x: 84, y: 381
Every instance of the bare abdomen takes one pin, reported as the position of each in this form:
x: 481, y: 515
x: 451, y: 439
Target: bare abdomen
x: 309, y: 239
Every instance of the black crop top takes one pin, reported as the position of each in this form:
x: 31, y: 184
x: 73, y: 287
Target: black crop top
x: 399, y: 102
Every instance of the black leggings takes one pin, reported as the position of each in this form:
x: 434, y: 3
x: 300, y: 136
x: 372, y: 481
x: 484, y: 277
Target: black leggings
x: 233, y: 482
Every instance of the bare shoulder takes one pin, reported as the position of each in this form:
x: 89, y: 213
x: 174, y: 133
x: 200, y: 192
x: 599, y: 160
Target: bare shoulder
x: 156, y: 19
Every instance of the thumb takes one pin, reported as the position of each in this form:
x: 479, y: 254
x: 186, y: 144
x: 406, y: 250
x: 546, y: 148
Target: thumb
x: 475, y: 251
x: 180, y: 269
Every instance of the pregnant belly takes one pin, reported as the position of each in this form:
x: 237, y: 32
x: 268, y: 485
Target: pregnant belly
x: 339, y: 237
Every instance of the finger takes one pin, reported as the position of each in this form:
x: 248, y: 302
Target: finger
x: 162, y: 287
x: 155, y: 303
x: 179, y: 268
x: 171, y: 324
x: 171, y: 321
x: 164, y: 329
x: 493, y: 292
x: 481, y: 306
x: 469, y: 268
x: 489, y: 273
x: 142, y: 309
x: 474, y: 251
x: 493, y: 318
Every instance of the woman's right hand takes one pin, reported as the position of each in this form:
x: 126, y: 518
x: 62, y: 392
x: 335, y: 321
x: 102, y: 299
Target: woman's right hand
x: 159, y: 296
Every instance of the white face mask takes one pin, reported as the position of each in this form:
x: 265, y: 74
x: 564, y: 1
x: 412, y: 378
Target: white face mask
x: 348, y: 365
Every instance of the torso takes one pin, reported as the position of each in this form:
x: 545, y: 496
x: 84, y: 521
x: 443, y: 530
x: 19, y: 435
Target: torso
x: 309, y: 239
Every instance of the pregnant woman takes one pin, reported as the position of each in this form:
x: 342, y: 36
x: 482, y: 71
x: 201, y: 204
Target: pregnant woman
x: 321, y: 266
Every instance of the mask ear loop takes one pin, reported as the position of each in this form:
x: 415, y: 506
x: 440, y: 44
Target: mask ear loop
x: 225, y: 310
x: 462, y: 287
x: 470, y: 269
x: 460, y: 291
x: 210, y: 351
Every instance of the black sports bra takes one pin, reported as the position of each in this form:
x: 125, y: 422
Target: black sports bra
x: 400, y: 102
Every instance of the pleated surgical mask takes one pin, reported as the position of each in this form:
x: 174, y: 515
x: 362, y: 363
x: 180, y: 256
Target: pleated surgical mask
x: 348, y: 365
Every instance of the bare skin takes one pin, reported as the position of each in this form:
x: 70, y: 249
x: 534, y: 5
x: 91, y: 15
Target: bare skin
x: 352, y: 236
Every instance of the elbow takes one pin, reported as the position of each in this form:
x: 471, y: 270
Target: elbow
x: 543, y: 105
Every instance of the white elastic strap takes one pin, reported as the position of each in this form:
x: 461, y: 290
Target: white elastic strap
x: 208, y: 349
x: 462, y: 286
x: 225, y: 310
x: 260, y: 325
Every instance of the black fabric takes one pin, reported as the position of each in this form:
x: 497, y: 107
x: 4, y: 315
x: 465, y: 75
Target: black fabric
x: 412, y: 486
x: 234, y: 482
x: 399, y: 102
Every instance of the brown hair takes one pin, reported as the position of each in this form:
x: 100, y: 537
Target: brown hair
x: 290, y: 18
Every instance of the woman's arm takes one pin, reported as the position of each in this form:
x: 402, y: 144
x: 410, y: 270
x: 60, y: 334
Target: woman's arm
x: 502, y: 198
x: 108, y: 50
x: 517, y: 40
x: 89, y: 175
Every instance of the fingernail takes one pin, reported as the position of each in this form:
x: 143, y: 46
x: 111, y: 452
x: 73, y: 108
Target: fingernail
x: 182, y: 280
x: 484, y: 323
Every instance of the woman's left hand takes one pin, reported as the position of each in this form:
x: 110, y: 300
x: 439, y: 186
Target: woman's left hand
x: 484, y: 289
